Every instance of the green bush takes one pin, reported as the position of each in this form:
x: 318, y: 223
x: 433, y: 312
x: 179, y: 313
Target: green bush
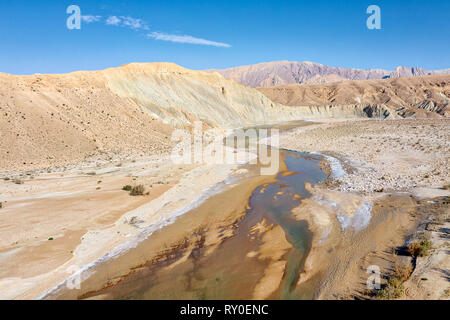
x: 392, y: 290
x: 127, y: 187
x: 420, y: 249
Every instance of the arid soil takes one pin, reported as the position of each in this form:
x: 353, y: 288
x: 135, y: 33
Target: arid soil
x: 383, y: 156
x: 51, y: 221
x: 430, y: 279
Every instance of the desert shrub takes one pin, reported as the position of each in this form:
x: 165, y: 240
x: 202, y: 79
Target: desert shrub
x: 403, y: 271
x: 446, y: 187
x: 18, y: 181
x: 137, y: 190
x: 127, y: 187
x: 392, y: 290
x: 420, y: 249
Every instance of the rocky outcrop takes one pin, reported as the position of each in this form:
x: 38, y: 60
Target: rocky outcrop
x: 347, y: 112
x: 402, y: 71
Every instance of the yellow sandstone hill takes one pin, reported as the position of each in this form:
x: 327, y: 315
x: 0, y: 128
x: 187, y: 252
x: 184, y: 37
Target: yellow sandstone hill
x: 49, y: 120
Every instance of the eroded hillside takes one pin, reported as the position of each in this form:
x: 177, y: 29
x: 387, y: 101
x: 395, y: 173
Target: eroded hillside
x: 426, y: 96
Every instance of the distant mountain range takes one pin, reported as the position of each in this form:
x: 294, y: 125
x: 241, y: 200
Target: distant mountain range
x: 277, y: 73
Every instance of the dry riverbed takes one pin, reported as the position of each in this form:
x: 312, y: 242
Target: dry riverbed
x: 387, y: 178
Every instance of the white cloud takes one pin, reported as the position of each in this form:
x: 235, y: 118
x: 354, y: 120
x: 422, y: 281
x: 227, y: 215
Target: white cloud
x: 186, y: 39
x: 134, y: 23
x: 113, y: 20
x: 126, y: 21
x: 90, y: 18
x: 139, y: 24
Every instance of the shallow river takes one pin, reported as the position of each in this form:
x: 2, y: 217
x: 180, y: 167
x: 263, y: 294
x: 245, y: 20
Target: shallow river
x: 230, y: 271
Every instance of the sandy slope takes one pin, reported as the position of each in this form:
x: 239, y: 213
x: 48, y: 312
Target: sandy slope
x: 55, y: 120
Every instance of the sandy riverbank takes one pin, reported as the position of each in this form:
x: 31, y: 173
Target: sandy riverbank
x: 48, y: 218
x: 363, y: 215
x: 197, y: 233
x: 56, y: 224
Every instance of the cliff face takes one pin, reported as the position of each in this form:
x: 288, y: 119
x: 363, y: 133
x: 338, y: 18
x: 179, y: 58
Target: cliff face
x: 348, y: 111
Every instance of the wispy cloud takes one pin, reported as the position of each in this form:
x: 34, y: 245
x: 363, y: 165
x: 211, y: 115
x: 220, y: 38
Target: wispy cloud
x: 134, y: 23
x: 90, y: 18
x: 113, y: 21
x: 126, y: 21
x: 186, y: 39
x: 139, y: 24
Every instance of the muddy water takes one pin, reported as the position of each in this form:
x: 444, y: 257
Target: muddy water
x: 228, y: 272
x: 275, y: 204
x: 191, y: 270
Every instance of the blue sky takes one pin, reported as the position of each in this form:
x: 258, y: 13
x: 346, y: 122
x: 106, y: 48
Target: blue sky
x: 219, y: 34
